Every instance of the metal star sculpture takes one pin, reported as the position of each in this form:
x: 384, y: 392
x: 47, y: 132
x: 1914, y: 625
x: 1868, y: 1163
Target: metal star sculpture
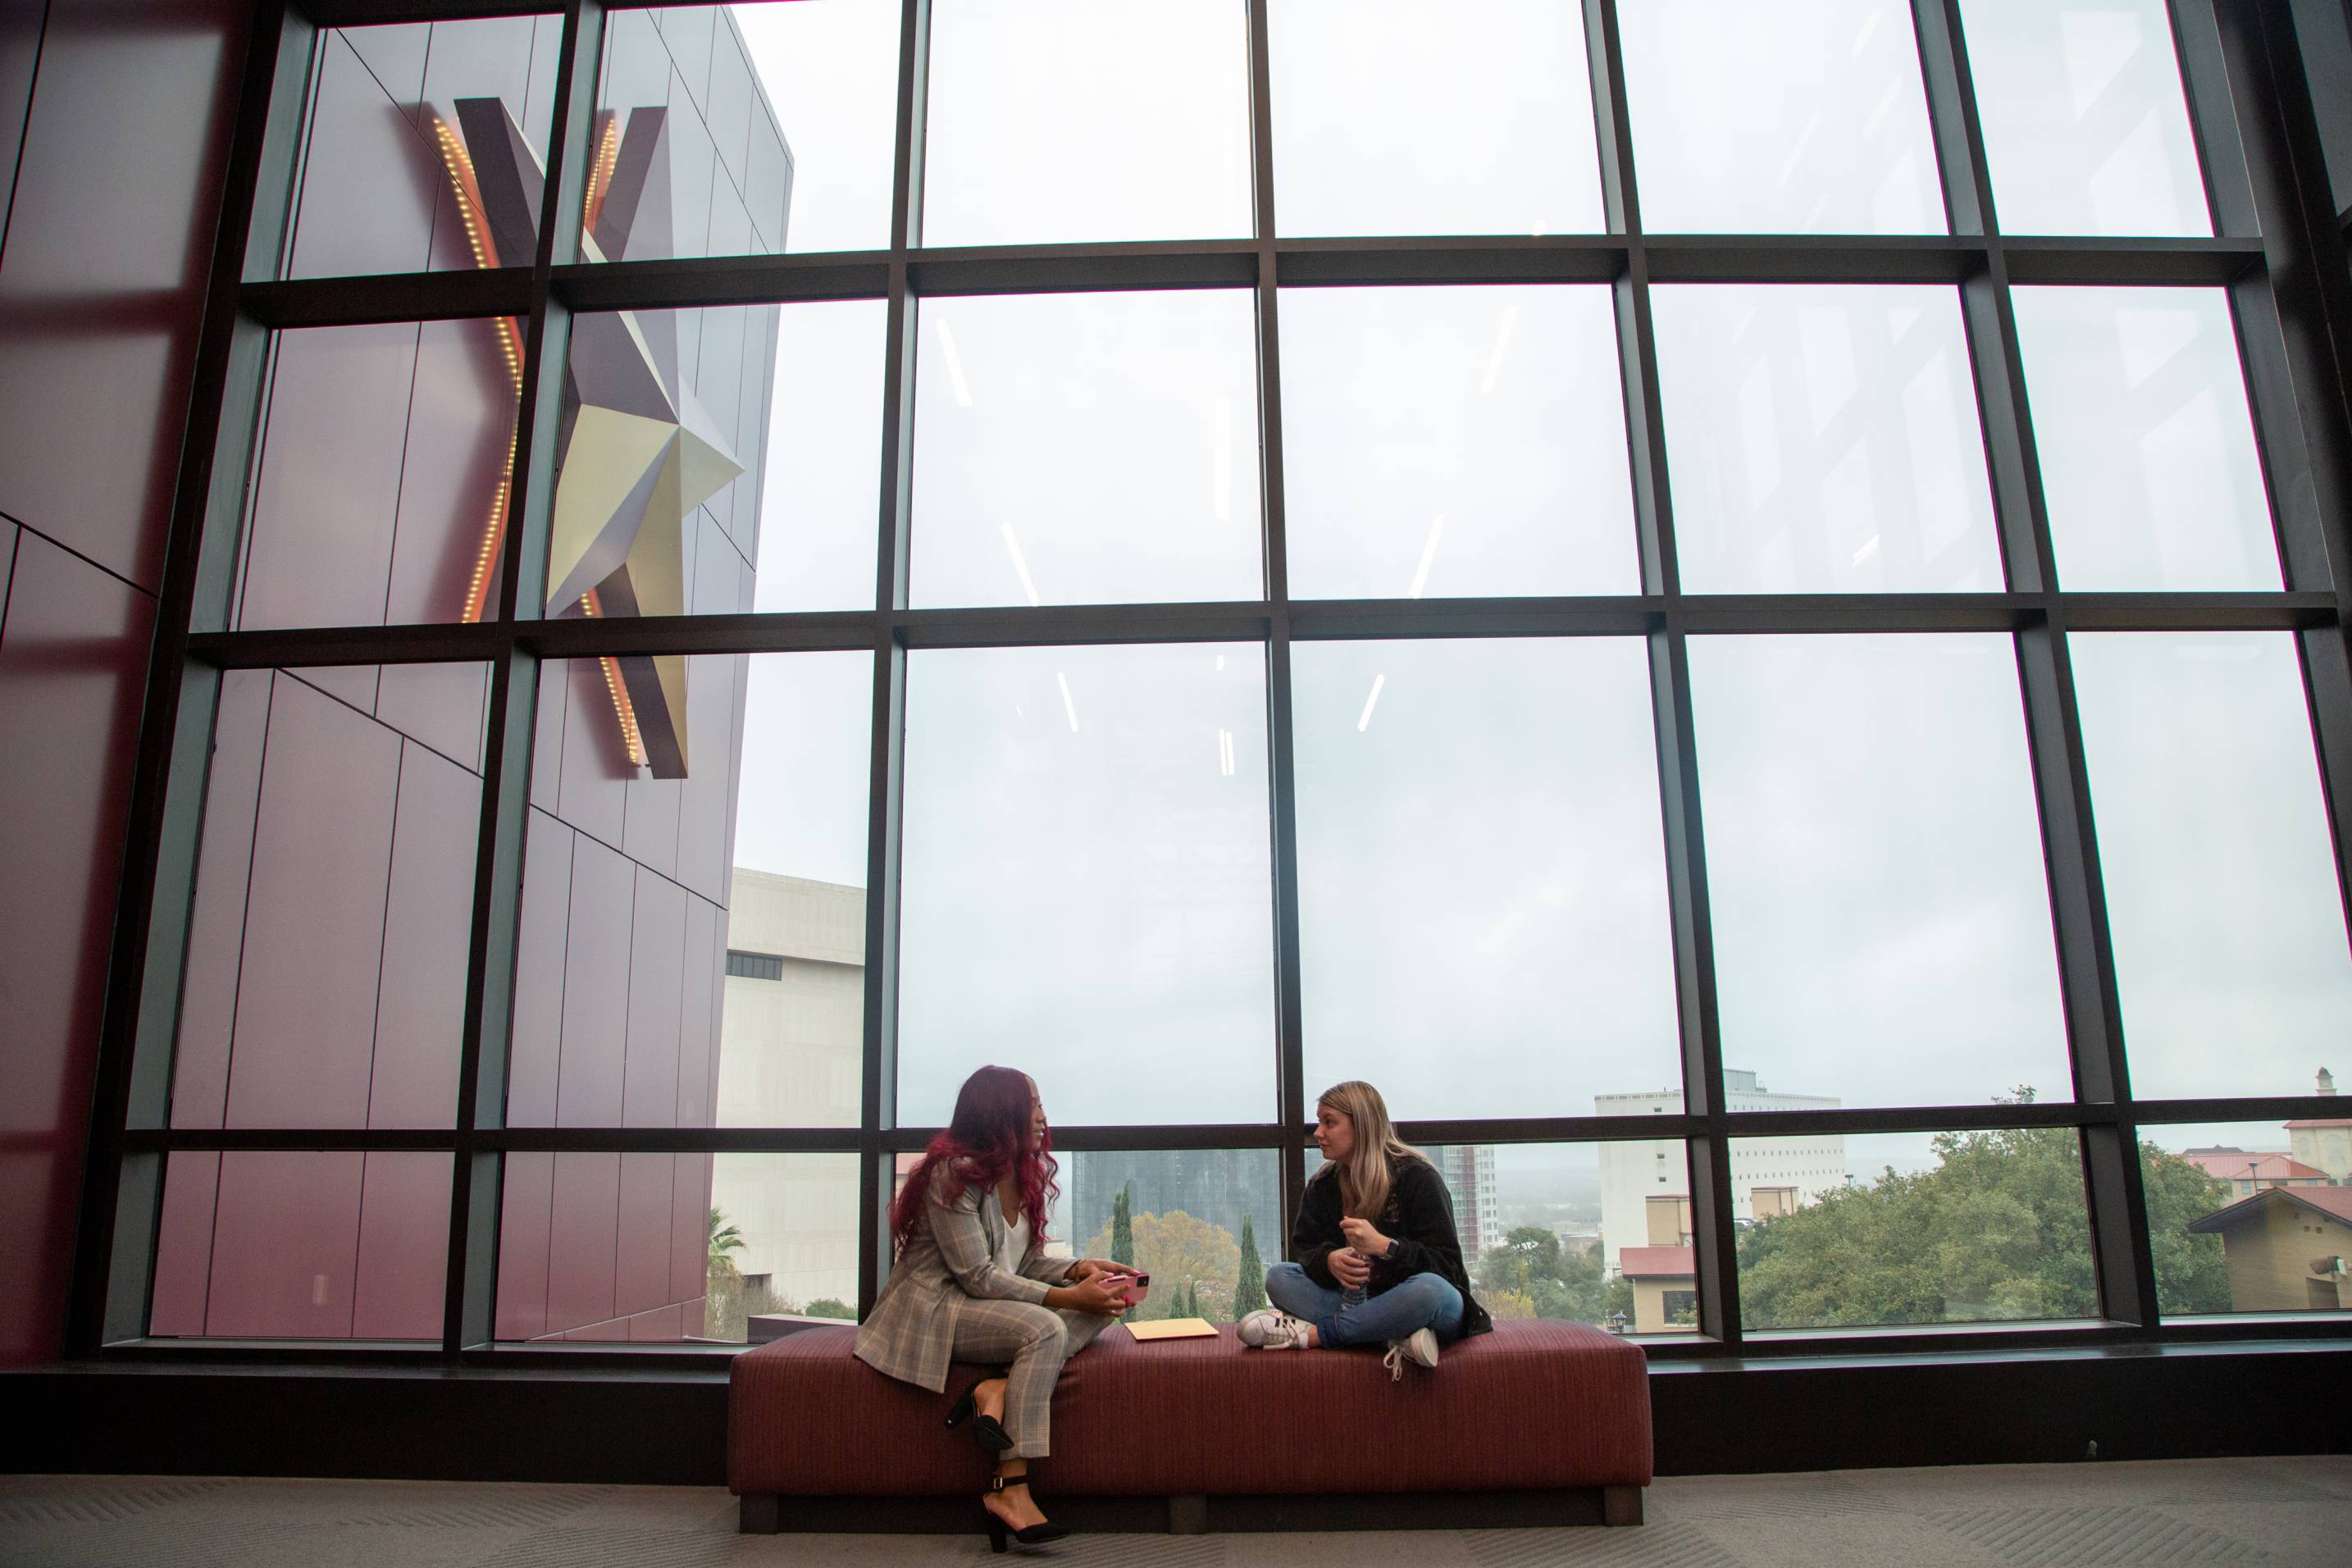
x: 638, y: 452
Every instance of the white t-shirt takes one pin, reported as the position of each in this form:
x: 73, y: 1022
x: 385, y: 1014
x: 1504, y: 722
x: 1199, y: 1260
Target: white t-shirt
x: 1015, y: 1249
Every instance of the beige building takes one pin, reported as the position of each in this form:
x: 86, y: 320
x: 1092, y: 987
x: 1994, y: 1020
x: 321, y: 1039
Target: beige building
x: 2324, y: 1143
x: 2288, y: 1248
x: 790, y: 1055
x: 1634, y: 1170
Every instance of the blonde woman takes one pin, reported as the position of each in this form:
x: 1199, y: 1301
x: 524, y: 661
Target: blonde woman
x: 1378, y: 1256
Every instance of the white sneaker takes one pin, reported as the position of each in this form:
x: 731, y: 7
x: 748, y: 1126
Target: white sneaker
x: 1419, y: 1347
x: 1268, y: 1330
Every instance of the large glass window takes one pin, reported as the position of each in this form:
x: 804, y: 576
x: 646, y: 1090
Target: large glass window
x: 2220, y: 873
x: 1874, y: 869
x: 1823, y: 439
x: 820, y: 492
x: 1087, y: 892
x: 1203, y: 1223
x: 2242, y: 1215
x: 1456, y: 443
x: 1482, y: 881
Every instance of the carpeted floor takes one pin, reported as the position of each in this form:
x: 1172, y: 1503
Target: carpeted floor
x: 2284, y: 1510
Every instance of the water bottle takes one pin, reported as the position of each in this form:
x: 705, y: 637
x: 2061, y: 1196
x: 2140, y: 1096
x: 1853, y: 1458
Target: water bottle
x: 1351, y: 1296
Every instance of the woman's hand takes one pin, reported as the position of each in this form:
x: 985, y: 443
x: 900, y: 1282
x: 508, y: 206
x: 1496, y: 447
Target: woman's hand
x: 1363, y: 1237
x: 1087, y: 1268
x: 1088, y: 1294
x: 1351, y: 1269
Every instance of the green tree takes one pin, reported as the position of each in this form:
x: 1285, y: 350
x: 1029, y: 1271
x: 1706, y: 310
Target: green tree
x: 1552, y: 1280
x: 827, y: 1307
x: 1122, y: 1247
x: 1249, y: 1288
x: 724, y: 1239
x: 1185, y: 1255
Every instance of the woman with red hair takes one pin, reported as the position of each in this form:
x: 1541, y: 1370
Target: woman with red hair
x: 972, y: 1283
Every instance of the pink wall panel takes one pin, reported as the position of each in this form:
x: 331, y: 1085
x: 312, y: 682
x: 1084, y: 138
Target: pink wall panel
x: 404, y: 1247
x: 395, y: 55
x: 100, y: 300
x: 183, y: 1244
x: 370, y: 183
x: 596, y: 987
x: 283, y: 1246
x: 586, y: 1218
x: 524, y: 1207
x: 428, y: 918
x: 594, y: 767
x: 709, y: 791
x: 440, y: 705
x: 72, y: 665
x: 319, y: 550
x: 641, y: 1261
x: 689, y: 1231
x: 9, y: 531
x: 697, y: 1015
x: 657, y: 973
x: 306, y: 1002
x: 460, y: 427
x: 20, y: 46
x: 534, y: 1051
x: 216, y: 920
x: 650, y: 834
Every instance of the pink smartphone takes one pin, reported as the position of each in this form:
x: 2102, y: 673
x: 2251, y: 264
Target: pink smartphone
x: 1132, y: 1288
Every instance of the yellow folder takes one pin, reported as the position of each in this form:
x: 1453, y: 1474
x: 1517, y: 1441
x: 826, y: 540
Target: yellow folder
x: 1172, y: 1329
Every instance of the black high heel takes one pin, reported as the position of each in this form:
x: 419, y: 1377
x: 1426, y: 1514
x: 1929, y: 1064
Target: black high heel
x: 986, y: 1430
x: 1000, y: 1532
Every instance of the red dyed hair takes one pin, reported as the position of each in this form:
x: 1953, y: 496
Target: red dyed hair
x: 987, y: 1137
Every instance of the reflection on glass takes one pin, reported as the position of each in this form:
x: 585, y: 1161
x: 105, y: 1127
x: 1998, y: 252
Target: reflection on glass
x: 325, y: 978
x: 657, y: 485
x: 619, y: 975
x: 1087, y: 448
x: 1482, y: 882
x: 821, y: 497
x: 1823, y: 438
x: 2220, y: 872
x: 1753, y: 118
x: 344, y: 530
x: 2251, y: 1216
x: 792, y: 1039
x: 2146, y: 448
x: 783, y: 1243
x: 1581, y: 1232
x: 2086, y: 130
x: 279, y: 1244
x: 1392, y: 119
x: 1087, y: 893
x: 425, y: 148
x: 1051, y: 121
x: 1891, y: 1229
x: 1875, y: 867
x: 1203, y: 1223
x: 1455, y: 442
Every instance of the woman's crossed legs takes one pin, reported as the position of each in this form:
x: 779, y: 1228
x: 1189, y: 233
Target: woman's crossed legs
x: 1424, y: 1302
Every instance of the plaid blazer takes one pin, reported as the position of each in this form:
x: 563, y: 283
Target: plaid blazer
x: 910, y: 1332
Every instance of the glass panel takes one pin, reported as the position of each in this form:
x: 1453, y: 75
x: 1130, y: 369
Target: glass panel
x: 638, y: 881
x: 2250, y: 1216
x: 1203, y: 1223
x: 1455, y: 442
x: 2222, y: 900
x: 1087, y: 448
x: 658, y: 479
x: 1086, y: 869
x: 1051, y: 121
x: 2146, y: 448
x: 1753, y: 118
x: 425, y: 147
x: 325, y: 978
x: 302, y: 1245
x: 1481, y: 862
x: 823, y: 488
x: 1578, y: 1233
x: 1823, y: 439
x: 1886, y: 1228
x: 1874, y: 869
x: 2086, y: 130
x: 791, y: 1046
x: 1391, y: 118
x: 343, y: 529
x: 783, y: 1243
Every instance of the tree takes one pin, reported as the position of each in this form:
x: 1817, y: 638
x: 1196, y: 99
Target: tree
x: 1180, y: 1253
x: 1120, y: 1247
x: 724, y: 1239
x: 1533, y: 1267
x: 1249, y: 1288
x: 827, y: 1307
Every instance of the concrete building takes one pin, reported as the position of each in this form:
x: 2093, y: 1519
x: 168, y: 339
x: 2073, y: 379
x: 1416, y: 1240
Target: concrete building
x: 2287, y: 1249
x: 2323, y: 1142
x: 1632, y: 1173
x: 1469, y: 1172
x: 790, y: 1045
x: 1219, y: 1185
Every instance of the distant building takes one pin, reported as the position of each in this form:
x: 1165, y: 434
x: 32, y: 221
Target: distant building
x: 2250, y: 1171
x: 1469, y: 1172
x: 1219, y: 1185
x: 2287, y: 1249
x: 1666, y: 1288
x: 1632, y: 1173
x: 2324, y: 1143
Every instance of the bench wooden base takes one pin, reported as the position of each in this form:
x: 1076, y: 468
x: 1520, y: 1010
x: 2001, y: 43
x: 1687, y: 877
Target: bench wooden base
x: 769, y: 1514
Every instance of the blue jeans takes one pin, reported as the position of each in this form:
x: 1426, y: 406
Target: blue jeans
x: 1424, y: 1302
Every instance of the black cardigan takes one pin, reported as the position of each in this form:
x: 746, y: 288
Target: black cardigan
x: 1418, y: 1221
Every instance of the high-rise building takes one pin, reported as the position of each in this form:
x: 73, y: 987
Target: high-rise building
x: 1218, y: 1185
x: 1469, y: 1172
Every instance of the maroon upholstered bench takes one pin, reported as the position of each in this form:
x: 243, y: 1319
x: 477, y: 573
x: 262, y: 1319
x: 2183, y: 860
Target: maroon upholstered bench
x: 1535, y: 1423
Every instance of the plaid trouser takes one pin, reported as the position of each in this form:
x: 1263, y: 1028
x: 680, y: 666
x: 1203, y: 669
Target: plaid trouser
x: 1036, y: 1340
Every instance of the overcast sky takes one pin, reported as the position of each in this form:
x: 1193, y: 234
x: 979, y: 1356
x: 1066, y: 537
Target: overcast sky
x: 1482, y: 893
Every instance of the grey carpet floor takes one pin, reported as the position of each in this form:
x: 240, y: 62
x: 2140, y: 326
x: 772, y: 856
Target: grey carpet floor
x: 2263, y: 1511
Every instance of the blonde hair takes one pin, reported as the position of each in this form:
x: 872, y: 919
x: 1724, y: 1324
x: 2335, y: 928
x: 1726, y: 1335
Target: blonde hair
x: 1364, y: 1177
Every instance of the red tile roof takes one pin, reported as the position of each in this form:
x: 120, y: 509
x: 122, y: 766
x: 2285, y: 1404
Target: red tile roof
x: 1657, y: 1262
x: 2236, y: 1165
x: 2336, y: 1202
